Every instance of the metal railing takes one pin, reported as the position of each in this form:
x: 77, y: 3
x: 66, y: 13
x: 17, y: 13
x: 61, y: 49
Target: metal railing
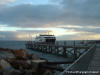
x: 82, y: 63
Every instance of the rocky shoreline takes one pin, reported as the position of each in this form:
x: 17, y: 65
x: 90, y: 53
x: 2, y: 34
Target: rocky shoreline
x: 20, y: 62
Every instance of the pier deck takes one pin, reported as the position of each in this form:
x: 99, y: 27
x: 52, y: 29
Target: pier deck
x: 89, y: 61
x: 95, y: 62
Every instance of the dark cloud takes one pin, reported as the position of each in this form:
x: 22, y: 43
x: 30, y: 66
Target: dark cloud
x: 95, y: 31
x: 33, y: 31
x: 84, y: 29
x: 20, y: 35
x: 67, y: 12
x: 29, y: 15
x: 82, y: 12
x: 74, y: 12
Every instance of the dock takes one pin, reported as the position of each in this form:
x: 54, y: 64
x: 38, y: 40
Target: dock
x: 95, y: 62
x: 63, y: 49
x: 88, y: 63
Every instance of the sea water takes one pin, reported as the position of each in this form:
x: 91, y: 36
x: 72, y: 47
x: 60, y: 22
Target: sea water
x: 15, y: 45
x: 21, y: 45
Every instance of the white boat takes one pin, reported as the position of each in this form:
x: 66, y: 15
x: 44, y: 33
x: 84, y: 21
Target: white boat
x: 45, y: 39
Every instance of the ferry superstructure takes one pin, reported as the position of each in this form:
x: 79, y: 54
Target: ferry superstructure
x: 45, y: 38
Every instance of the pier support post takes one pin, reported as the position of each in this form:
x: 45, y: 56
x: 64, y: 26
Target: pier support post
x: 75, y: 51
x: 64, y: 49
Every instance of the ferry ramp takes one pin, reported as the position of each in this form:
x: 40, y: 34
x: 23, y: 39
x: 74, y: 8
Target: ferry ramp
x: 88, y: 63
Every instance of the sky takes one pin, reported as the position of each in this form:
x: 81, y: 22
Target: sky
x: 66, y: 19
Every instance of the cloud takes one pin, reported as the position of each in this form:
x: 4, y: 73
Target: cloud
x: 93, y: 29
x: 81, y: 35
x: 3, y: 2
x: 14, y: 35
x: 82, y: 16
x: 68, y: 12
x: 8, y: 35
x: 60, y: 35
x: 20, y: 34
x: 81, y: 12
x: 29, y: 15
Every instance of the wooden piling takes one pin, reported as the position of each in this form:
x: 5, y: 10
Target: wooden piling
x: 75, y: 51
x: 57, y: 49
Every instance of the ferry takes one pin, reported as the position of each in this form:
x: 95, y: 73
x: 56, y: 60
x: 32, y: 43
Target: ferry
x: 45, y: 38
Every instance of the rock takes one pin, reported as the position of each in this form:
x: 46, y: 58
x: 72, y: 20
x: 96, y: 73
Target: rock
x: 6, y: 67
x: 21, y: 53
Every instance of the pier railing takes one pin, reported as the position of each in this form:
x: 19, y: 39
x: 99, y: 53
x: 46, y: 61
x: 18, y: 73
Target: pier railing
x: 81, y: 64
x: 62, y: 48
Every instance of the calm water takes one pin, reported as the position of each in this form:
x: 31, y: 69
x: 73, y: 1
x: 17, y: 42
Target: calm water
x: 12, y: 44
x: 21, y: 45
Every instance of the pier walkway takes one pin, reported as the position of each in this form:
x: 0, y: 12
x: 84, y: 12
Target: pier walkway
x: 89, y: 61
x: 95, y: 63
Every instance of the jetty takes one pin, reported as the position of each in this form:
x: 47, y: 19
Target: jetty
x: 85, y: 58
x: 73, y: 50
x: 87, y: 61
x: 87, y: 64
